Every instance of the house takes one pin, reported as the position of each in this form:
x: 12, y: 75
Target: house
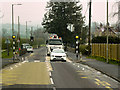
x: 102, y: 31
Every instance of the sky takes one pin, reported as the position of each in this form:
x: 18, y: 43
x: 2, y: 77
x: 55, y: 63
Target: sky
x: 34, y: 10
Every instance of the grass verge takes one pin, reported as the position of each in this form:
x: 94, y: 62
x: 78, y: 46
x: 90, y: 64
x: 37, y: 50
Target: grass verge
x: 104, y: 60
x: 4, y: 54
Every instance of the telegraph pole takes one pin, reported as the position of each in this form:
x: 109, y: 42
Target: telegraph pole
x: 26, y: 29
x: 107, y: 33
x: 12, y: 21
x: 89, y: 39
x: 31, y: 30
x: 18, y: 35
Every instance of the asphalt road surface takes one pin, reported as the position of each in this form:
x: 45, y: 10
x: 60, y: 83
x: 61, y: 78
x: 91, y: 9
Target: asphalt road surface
x: 37, y: 72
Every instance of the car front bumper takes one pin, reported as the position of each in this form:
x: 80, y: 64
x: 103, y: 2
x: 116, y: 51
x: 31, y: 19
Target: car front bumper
x: 55, y: 58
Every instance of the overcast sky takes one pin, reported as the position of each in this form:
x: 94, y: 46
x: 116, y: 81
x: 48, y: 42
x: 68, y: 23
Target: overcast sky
x: 34, y: 10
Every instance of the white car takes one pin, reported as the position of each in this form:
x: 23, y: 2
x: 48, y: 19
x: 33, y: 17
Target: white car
x: 58, y: 54
x: 29, y: 49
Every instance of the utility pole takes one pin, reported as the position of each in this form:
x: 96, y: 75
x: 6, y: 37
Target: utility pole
x: 18, y: 35
x: 12, y: 21
x: 31, y: 30
x: 89, y: 39
x: 26, y: 29
x: 107, y: 33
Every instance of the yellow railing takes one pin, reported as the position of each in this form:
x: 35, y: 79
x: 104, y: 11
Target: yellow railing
x: 100, y: 50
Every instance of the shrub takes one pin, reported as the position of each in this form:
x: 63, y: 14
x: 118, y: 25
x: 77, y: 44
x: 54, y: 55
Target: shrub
x: 84, y: 49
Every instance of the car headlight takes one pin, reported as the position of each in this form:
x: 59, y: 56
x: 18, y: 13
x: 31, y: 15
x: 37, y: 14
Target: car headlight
x: 64, y: 55
x: 52, y: 55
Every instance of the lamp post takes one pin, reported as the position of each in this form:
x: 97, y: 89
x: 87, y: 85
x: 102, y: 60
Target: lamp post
x: 26, y: 27
x: 13, y: 17
x: 13, y: 30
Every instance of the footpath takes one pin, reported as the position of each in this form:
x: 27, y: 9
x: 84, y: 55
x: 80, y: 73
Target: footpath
x: 111, y: 70
x: 7, y: 61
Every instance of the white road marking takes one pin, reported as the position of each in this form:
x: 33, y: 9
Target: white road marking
x: 83, y: 68
x: 16, y: 66
x: 51, y: 80
x: 36, y: 61
x: 54, y: 88
x: 78, y: 66
x: 23, y: 62
x: 11, y: 68
x: 50, y: 74
x: 19, y: 63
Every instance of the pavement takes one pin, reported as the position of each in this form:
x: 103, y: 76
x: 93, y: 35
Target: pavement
x: 108, y: 69
x: 7, y: 61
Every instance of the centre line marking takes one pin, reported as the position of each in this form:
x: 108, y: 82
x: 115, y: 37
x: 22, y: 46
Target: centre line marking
x: 51, y: 80
x: 50, y: 74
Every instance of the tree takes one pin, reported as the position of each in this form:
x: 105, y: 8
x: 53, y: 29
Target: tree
x: 60, y: 15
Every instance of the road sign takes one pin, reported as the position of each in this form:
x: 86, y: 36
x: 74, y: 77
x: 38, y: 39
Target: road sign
x: 18, y: 40
x: 7, y: 41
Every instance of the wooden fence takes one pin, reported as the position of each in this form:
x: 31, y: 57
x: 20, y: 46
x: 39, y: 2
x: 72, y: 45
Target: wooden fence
x: 100, y: 50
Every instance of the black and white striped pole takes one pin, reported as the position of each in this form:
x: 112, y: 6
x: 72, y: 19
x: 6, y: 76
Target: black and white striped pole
x: 77, y: 47
x: 13, y: 37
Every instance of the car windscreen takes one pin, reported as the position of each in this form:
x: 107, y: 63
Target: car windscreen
x: 58, y: 51
x: 55, y: 42
x: 29, y: 47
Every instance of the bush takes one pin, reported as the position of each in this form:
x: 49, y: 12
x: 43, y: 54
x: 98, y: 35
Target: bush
x: 84, y: 49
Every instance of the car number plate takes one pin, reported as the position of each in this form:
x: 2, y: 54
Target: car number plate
x: 58, y: 58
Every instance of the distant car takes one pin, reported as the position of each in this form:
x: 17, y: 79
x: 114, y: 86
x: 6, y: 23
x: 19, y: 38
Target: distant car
x: 24, y: 45
x: 29, y: 49
x: 58, y: 54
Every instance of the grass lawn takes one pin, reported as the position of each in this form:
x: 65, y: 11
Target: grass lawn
x: 4, y: 54
x: 104, y: 60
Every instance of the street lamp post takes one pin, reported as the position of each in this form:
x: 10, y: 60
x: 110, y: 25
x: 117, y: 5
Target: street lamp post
x: 13, y: 30
x: 26, y: 27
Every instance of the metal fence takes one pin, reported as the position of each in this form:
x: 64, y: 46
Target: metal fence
x: 100, y: 50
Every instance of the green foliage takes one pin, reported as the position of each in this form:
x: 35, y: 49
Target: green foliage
x: 103, y: 39
x: 59, y: 15
x: 84, y: 49
x: 4, y: 54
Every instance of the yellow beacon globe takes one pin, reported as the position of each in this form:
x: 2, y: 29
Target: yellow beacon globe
x: 13, y: 37
x: 77, y: 37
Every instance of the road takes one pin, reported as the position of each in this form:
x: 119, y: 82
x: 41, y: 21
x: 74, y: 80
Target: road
x: 37, y: 72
